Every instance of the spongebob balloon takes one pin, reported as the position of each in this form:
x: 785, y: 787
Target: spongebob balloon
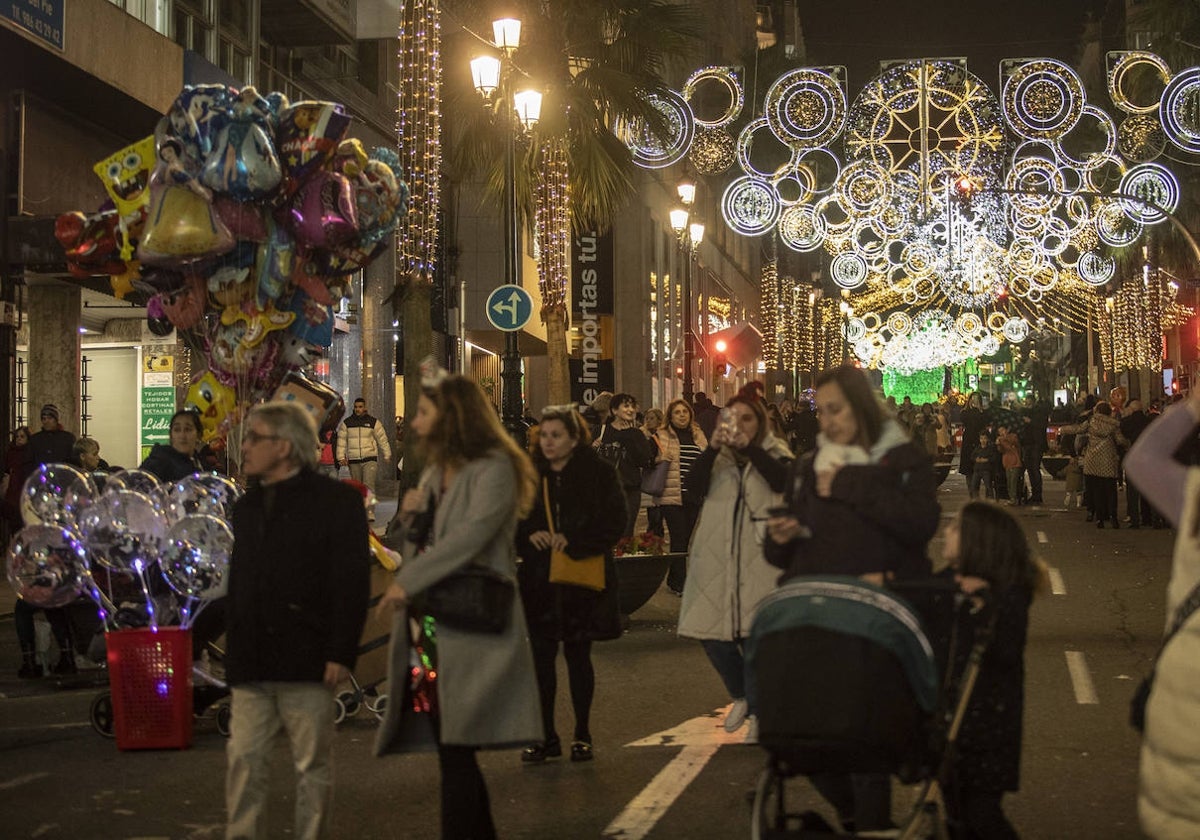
x: 126, y: 176
x: 213, y: 401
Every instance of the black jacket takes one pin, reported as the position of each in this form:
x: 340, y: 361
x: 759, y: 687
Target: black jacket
x: 590, y: 510
x: 879, y: 518
x: 638, y: 452
x: 55, y: 447
x: 298, y: 580
x: 169, y: 464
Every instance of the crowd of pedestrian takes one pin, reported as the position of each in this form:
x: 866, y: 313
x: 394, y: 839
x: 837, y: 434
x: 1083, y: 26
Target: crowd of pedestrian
x: 750, y: 494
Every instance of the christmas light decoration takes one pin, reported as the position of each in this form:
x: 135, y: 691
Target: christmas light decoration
x: 419, y: 135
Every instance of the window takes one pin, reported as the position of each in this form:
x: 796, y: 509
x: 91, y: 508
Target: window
x: 192, y: 26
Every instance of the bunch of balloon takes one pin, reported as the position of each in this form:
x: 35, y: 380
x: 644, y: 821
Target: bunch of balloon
x: 81, y: 529
x: 241, y: 219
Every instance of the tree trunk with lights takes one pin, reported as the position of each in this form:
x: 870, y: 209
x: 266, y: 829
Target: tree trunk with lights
x: 559, y: 354
x: 412, y: 308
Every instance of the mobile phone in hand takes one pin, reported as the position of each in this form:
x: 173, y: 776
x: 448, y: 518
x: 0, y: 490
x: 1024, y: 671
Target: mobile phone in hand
x: 778, y: 511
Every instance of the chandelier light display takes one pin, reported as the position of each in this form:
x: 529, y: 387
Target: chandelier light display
x: 960, y: 217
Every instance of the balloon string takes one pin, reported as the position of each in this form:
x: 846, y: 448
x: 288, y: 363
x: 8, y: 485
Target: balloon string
x: 149, y: 600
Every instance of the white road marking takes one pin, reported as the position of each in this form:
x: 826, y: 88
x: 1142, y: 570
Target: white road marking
x: 700, y: 738
x: 77, y: 725
x: 22, y: 780
x: 1057, y: 587
x: 1042, y: 538
x: 1081, y: 679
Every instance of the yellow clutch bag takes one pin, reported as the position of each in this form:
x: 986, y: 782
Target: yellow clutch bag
x: 587, y: 572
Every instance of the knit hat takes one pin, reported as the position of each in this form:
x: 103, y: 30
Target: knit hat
x: 50, y: 409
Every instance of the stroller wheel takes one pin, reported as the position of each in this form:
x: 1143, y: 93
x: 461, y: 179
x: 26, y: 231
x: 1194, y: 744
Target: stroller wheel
x: 350, y: 702
x: 380, y: 706
x: 224, y: 716
x: 768, y: 818
x: 339, y: 710
x: 101, y: 714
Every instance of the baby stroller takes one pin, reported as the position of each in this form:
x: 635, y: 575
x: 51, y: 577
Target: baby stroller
x: 371, y: 670
x: 889, y: 712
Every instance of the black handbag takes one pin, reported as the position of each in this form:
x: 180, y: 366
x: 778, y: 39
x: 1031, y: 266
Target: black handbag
x: 475, y: 599
x: 1141, y: 696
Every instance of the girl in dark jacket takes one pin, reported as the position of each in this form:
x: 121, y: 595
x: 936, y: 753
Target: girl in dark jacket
x: 178, y: 460
x: 588, y: 511
x: 865, y: 504
x: 987, y: 549
x: 622, y: 443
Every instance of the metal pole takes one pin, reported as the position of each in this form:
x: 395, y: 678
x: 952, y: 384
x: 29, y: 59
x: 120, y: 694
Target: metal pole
x: 511, y: 407
x: 688, y: 350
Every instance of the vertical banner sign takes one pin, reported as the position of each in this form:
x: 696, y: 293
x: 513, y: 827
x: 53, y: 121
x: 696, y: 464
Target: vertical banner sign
x: 158, y: 399
x: 592, y: 284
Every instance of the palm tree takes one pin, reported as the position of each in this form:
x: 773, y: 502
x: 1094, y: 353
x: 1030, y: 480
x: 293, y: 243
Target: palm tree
x: 596, y: 61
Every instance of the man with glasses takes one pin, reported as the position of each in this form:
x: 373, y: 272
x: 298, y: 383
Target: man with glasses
x: 298, y: 589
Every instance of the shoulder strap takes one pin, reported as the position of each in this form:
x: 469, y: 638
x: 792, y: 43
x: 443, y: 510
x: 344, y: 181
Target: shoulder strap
x: 1182, y: 613
x: 546, y: 499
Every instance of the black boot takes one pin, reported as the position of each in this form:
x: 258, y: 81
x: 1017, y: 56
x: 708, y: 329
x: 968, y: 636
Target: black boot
x: 66, y: 663
x: 30, y: 668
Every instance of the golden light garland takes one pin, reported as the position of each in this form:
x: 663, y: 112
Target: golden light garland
x: 418, y: 132
x: 552, y: 213
x: 768, y: 311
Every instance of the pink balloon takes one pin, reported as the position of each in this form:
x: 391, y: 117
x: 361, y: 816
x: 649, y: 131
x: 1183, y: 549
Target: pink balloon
x: 322, y: 213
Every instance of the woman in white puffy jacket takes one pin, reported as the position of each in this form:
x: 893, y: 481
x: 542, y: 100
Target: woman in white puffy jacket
x: 741, y: 476
x: 1169, y: 785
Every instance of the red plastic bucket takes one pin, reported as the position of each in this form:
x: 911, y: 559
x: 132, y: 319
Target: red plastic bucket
x: 150, y: 676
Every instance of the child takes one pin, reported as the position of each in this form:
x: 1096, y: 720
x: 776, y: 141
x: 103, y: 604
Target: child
x: 1074, y: 476
x: 1010, y: 454
x: 981, y: 471
x: 987, y: 550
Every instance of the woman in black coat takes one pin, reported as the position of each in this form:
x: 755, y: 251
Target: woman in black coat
x: 973, y: 422
x: 588, y: 511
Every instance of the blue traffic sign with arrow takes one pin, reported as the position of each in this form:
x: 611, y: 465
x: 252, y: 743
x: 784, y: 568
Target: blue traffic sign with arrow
x: 509, y: 307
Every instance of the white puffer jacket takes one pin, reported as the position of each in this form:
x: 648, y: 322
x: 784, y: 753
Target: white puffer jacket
x: 1169, y: 788
x: 727, y: 574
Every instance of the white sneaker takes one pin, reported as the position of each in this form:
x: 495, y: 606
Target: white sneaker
x: 751, y: 731
x: 737, y: 715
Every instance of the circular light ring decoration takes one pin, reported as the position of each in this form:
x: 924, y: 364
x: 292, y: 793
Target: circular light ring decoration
x: 725, y: 77
x: 1154, y: 183
x: 893, y: 222
x: 1122, y: 67
x: 969, y: 325
x: 988, y: 346
x: 933, y: 317
x: 805, y: 108
x: 870, y: 246
x: 1044, y: 280
x: 1016, y: 330
x: 1030, y: 225
x: 649, y: 152
x: 919, y: 259
x: 872, y: 321
x: 996, y: 320
x: 864, y: 188
x: 899, y: 323
x: 1095, y: 269
x: 924, y: 287
x: 849, y: 271
x: 1141, y: 138
x: 1177, y: 110
x: 1115, y: 228
x: 1025, y: 255
x: 801, y: 229
x: 1106, y: 125
x: 1035, y: 295
x: 1037, y: 184
x: 1105, y: 176
x: 821, y: 162
x: 1043, y: 99
x: 745, y: 146
x: 855, y: 329
x: 793, y: 185
x: 750, y: 206
x: 1057, y: 237
x: 713, y: 151
x: 835, y: 227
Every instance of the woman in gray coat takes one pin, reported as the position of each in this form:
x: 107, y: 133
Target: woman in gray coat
x: 473, y: 690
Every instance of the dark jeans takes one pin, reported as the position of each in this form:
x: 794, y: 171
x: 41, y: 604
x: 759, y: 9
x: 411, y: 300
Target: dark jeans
x: 865, y: 798
x: 60, y: 625
x: 730, y: 663
x: 633, y: 503
x: 681, y: 520
x: 466, y: 810
x: 580, y: 675
x: 977, y: 815
x: 1136, y: 507
x: 980, y: 478
x: 1031, y: 457
x: 1104, y: 497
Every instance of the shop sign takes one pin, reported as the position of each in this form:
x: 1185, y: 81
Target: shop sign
x: 44, y: 19
x: 158, y: 400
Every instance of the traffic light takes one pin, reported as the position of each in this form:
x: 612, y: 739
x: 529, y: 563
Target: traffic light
x: 719, y: 360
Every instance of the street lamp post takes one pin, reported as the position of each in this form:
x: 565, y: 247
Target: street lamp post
x: 690, y: 237
x: 520, y: 111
